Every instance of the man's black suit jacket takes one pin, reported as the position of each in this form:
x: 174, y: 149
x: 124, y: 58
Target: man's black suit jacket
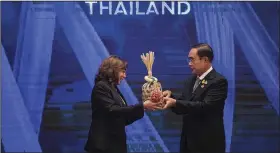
x: 202, y: 110
x: 110, y: 115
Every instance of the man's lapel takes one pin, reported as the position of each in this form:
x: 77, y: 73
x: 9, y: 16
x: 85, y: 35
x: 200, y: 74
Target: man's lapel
x: 204, y: 84
x: 191, y: 85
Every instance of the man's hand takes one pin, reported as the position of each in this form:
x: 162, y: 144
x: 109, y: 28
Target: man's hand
x: 149, y: 105
x: 166, y: 93
x: 169, y: 102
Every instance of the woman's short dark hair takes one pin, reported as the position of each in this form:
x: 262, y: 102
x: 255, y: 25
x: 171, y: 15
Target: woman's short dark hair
x: 204, y: 50
x: 110, y: 68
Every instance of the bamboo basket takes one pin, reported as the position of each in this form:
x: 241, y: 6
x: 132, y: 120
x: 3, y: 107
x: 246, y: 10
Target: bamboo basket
x: 151, y: 90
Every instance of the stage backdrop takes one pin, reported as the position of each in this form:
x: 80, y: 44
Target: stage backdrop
x: 51, y: 52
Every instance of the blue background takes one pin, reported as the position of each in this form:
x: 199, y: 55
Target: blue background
x: 51, y: 52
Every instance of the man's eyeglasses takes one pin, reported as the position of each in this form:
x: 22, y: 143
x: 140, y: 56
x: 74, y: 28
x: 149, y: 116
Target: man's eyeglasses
x: 192, y: 60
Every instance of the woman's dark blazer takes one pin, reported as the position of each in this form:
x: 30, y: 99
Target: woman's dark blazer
x: 110, y: 115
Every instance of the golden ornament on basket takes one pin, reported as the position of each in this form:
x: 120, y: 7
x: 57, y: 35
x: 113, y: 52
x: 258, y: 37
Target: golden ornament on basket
x: 151, y: 90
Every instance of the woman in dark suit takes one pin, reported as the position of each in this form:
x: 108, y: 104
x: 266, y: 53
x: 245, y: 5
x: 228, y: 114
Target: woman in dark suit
x: 110, y: 112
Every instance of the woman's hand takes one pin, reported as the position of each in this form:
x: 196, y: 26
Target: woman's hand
x: 149, y: 105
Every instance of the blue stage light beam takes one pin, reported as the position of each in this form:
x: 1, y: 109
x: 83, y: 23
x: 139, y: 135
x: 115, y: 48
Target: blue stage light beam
x: 33, y: 58
x: 213, y: 28
x: 260, y: 50
x: 17, y: 131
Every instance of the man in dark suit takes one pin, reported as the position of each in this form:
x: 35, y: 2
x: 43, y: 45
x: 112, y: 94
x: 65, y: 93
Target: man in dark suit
x: 201, y: 104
